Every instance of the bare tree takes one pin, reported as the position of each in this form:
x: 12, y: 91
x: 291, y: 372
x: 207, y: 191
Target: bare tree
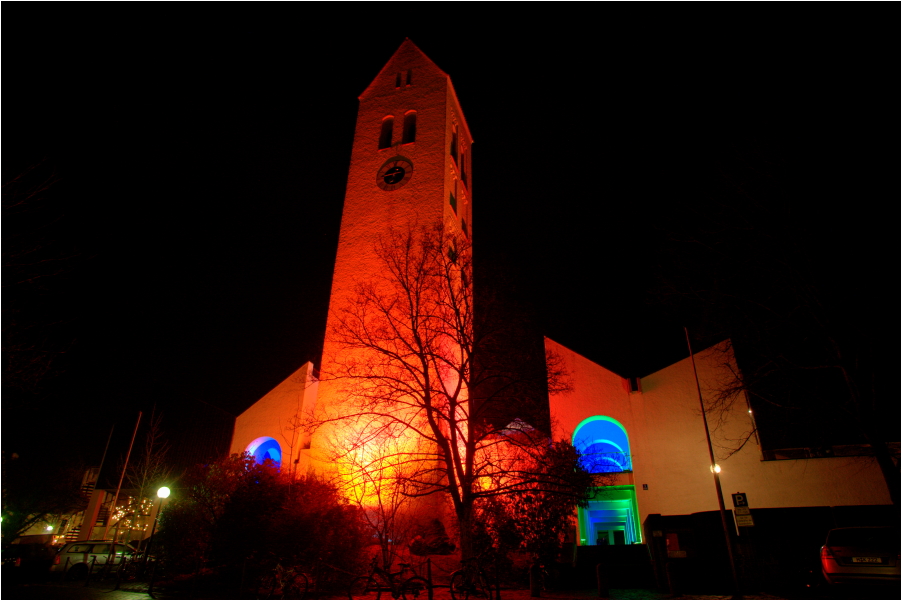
x: 378, y: 476
x: 416, y: 368
x: 32, y: 340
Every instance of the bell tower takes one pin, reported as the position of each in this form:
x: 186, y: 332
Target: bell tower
x: 410, y: 164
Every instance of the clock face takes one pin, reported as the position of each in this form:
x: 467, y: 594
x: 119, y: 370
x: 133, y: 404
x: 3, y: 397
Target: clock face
x: 394, y: 173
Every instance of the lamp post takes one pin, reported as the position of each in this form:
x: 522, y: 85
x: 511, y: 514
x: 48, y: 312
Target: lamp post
x: 162, y: 493
x: 715, y: 470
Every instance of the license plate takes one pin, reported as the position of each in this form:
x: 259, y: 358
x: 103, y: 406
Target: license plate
x: 867, y: 560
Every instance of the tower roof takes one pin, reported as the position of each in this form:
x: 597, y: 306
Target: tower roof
x: 407, y: 56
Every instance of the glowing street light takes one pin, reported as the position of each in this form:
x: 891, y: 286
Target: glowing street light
x: 162, y: 493
x: 715, y: 469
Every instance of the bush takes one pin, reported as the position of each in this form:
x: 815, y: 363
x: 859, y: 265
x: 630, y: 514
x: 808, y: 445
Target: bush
x: 240, y: 518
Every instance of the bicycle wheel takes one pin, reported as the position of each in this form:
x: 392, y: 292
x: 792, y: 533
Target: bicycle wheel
x: 464, y: 588
x: 268, y: 585
x: 295, y: 585
x: 362, y: 586
x: 415, y: 587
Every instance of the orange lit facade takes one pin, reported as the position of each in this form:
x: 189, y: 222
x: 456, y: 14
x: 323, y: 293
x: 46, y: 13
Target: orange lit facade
x: 410, y: 164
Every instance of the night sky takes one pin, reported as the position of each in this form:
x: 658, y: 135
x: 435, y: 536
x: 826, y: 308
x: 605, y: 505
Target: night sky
x: 201, y: 173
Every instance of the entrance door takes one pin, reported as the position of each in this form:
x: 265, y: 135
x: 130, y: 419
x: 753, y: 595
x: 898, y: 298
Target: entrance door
x: 612, y: 518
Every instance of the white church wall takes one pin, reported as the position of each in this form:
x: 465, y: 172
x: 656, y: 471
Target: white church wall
x: 273, y: 414
x: 669, y: 452
x: 785, y: 483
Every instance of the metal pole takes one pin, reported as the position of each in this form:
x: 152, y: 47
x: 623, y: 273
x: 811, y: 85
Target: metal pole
x: 723, y: 511
x: 106, y: 529
x: 153, y: 530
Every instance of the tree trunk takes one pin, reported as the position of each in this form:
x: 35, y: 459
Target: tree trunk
x: 465, y: 529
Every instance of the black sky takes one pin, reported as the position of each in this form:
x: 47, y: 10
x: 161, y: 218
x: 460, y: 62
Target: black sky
x: 202, y: 170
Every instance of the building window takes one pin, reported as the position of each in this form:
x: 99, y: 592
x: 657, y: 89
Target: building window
x: 464, y: 159
x: 453, y: 202
x: 603, y: 445
x: 388, y: 124
x: 398, y: 80
x: 463, y: 227
x: 454, y: 144
x: 410, y: 127
x: 409, y: 75
x: 265, y: 448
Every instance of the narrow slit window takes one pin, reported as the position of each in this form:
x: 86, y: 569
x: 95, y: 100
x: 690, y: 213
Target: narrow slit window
x: 453, y: 202
x: 454, y: 144
x: 463, y: 227
x: 464, y: 159
x: 410, y: 128
x: 388, y: 124
x: 409, y: 75
x: 398, y: 80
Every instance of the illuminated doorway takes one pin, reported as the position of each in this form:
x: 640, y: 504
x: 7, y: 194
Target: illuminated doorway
x: 612, y: 518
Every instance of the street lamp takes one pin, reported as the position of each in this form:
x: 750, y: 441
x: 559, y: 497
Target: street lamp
x: 162, y: 493
x: 715, y: 470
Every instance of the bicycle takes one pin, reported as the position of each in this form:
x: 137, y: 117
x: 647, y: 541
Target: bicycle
x: 285, y: 581
x: 470, y: 581
x: 380, y: 580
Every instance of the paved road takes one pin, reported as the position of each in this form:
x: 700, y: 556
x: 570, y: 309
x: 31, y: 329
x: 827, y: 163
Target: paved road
x: 74, y: 591
x: 64, y: 591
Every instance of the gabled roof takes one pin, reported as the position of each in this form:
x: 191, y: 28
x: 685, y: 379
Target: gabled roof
x: 407, y: 56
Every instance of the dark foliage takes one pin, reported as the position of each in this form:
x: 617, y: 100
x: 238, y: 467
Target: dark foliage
x: 35, y: 492
x: 239, y: 519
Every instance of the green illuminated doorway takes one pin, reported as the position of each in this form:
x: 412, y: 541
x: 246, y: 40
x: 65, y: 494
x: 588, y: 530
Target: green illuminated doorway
x: 612, y: 518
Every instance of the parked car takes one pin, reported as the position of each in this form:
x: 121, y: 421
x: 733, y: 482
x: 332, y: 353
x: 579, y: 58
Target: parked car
x: 75, y: 559
x: 861, y: 554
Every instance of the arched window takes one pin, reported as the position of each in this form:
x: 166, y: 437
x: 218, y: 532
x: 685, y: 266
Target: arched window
x: 604, y: 445
x: 388, y: 124
x: 410, y: 127
x: 264, y: 448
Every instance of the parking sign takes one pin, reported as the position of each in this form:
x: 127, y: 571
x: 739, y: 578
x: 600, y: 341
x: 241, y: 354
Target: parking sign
x: 740, y: 500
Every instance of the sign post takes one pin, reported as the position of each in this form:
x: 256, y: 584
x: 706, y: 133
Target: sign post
x: 741, y: 512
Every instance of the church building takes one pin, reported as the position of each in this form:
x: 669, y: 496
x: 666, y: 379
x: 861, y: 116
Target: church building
x: 410, y: 163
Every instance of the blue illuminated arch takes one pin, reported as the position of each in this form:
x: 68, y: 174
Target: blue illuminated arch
x: 604, y: 445
x: 264, y: 448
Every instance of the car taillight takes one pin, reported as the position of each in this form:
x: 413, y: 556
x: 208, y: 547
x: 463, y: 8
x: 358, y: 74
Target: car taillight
x: 56, y: 560
x: 826, y: 553
x: 18, y: 562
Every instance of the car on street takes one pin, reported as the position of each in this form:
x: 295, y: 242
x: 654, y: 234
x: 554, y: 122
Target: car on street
x: 861, y: 554
x: 76, y: 559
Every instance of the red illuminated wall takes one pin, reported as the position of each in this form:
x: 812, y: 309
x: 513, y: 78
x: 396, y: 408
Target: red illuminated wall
x: 410, y: 81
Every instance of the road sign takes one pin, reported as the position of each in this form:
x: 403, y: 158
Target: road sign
x: 744, y: 520
x: 742, y: 511
x: 740, y: 500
